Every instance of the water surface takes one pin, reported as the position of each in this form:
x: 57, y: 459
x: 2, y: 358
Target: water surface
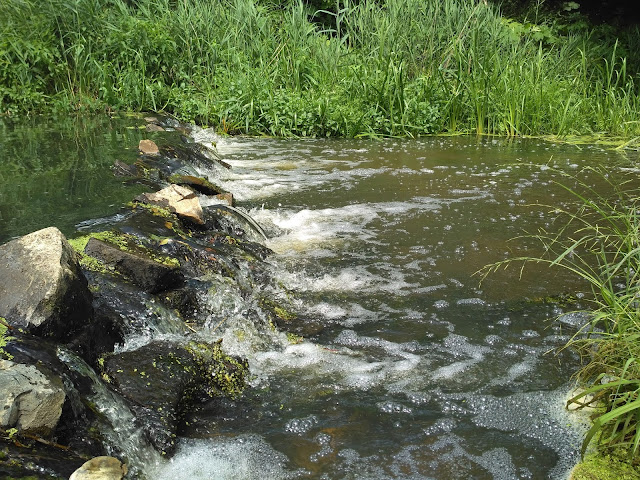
x: 409, y: 368
x: 418, y: 370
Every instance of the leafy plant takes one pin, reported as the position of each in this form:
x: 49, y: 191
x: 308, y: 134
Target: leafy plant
x: 367, y: 68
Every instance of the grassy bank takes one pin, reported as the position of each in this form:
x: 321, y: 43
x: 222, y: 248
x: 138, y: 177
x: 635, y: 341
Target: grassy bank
x: 396, y: 67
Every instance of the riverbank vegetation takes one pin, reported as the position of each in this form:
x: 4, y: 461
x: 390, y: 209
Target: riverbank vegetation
x: 392, y: 67
x: 600, y: 243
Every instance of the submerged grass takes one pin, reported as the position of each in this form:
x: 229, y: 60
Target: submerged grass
x: 392, y: 67
x: 600, y: 243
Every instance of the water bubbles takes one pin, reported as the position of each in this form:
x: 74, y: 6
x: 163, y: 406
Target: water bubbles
x: 324, y: 441
x: 440, y: 304
x: 393, y: 407
x: 530, y: 334
x: 440, y: 426
x: 301, y: 425
x: 471, y: 301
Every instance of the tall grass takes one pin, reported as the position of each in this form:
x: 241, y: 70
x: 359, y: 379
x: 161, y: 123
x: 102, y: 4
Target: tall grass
x: 392, y: 67
x: 600, y: 243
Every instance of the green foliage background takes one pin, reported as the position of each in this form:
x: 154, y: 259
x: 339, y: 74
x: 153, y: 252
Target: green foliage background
x: 385, y: 67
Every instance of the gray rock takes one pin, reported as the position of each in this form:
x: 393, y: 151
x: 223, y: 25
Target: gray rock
x: 43, y: 290
x: 100, y: 468
x: 32, y: 401
x: 148, y: 274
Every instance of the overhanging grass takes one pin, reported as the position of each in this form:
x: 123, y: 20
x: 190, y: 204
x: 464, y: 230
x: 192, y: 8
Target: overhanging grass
x: 396, y: 67
x: 599, y: 242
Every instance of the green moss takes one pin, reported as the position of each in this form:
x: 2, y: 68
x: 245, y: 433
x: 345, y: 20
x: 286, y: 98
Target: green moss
x: 94, y: 265
x: 226, y: 374
x: 277, y: 310
x: 173, y: 223
x: 155, y: 210
x: 79, y: 243
x: 599, y: 466
x: 294, y: 339
x: 124, y: 242
x: 4, y: 339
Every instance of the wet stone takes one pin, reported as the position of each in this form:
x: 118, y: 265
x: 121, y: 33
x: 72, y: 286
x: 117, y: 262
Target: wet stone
x: 199, y: 184
x: 42, y: 288
x: 181, y: 200
x: 148, y: 274
x: 100, y: 468
x: 164, y: 381
x: 148, y: 147
x: 152, y: 127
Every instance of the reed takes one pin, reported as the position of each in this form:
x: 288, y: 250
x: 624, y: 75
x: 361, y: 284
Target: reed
x: 599, y: 242
x: 396, y: 67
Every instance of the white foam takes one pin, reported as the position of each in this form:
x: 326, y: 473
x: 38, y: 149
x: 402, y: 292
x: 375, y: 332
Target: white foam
x: 246, y: 457
x: 344, y: 366
x: 355, y: 279
x: 460, y: 345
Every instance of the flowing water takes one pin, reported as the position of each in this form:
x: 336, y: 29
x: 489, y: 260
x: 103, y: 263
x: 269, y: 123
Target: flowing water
x: 409, y: 367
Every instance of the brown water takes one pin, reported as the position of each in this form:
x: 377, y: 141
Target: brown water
x: 409, y: 367
x: 419, y: 371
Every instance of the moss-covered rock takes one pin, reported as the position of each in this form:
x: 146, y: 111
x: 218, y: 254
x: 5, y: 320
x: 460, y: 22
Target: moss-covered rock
x: 164, y: 381
x: 199, y: 184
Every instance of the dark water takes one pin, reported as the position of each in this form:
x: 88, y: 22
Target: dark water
x: 57, y: 172
x: 418, y: 370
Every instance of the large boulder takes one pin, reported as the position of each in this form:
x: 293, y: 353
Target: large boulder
x: 43, y: 290
x: 32, y: 399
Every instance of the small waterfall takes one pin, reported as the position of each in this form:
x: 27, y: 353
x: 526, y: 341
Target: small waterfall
x: 118, y: 424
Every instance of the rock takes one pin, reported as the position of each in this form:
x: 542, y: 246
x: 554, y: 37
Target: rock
x: 43, y: 289
x: 148, y: 147
x: 32, y: 400
x: 234, y: 221
x: 199, y: 184
x: 163, y: 381
x: 79, y: 425
x: 100, y: 468
x: 148, y: 274
x: 121, y: 169
x: 178, y: 199
x: 152, y: 127
x: 226, y: 198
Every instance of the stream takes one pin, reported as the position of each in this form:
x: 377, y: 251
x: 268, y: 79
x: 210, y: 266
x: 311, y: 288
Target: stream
x: 408, y: 367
